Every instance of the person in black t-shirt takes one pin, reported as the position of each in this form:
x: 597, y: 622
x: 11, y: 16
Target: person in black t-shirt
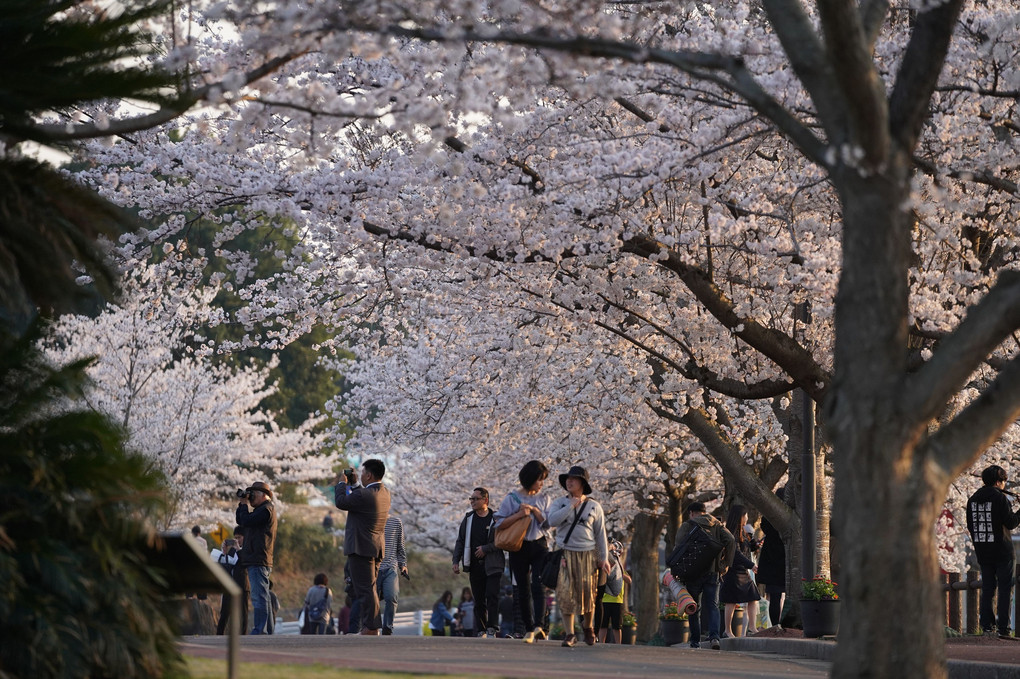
x: 476, y: 553
x: 989, y: 520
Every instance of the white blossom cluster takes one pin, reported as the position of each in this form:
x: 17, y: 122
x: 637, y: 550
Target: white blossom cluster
x: 199, y: 422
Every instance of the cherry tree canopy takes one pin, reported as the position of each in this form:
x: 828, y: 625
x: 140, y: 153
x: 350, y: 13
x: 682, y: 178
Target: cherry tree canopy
x: 684, y: 179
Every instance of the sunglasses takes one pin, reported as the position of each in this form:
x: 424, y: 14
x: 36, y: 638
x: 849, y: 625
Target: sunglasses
x: 474, y: 499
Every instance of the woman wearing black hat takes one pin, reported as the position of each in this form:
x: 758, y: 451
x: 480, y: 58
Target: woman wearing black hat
x: 581, y: 534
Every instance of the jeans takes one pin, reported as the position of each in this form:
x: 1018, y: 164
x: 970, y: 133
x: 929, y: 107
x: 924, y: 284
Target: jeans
x: 258, y: 578
x: 705, y: 592
x: 388, y: 586
x: 526, y: 565
x: 996, y: 575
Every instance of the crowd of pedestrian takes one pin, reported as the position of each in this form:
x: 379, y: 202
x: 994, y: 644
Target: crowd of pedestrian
x: 562, y: 553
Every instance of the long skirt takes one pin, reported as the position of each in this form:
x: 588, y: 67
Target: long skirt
x: 575, y: 587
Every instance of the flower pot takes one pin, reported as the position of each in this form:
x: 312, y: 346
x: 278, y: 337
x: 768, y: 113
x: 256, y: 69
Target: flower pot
x: 673, y: 631
x: 628, y: 635
x: 820, y: 618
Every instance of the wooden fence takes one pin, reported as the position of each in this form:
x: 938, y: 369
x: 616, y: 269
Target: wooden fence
x: 961, y: 595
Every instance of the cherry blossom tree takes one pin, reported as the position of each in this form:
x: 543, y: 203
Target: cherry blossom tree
x: 685, y: 180
x: 197, y: 421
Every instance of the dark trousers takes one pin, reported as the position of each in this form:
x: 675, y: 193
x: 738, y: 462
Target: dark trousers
x: 526, y: 565
x: 363, y: 573
x: 240, y: 577
x: 485, y: 590
x: 775, y: 593
x: 996, y: 575
x: 221, y: 626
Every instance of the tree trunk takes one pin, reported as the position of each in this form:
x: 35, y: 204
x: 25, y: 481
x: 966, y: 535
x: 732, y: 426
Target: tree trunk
x: 644, y: 559
x: 889, y: 524
x: 888, y: 492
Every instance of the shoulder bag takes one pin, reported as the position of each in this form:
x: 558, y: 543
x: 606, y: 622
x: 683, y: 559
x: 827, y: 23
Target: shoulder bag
x: 510, y: 537
x: 551, y: 570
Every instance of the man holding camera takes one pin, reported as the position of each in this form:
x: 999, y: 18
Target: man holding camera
x: 368, y: 506
x: 256, y: 515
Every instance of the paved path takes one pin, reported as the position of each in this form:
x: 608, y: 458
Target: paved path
x: 506, y: 658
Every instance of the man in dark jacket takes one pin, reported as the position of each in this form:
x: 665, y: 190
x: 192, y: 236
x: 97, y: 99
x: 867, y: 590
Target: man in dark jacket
x: 256, y: 515
x: 367, y: 506
x: 705, y: 589
x: 989, y: 520
x: 476, y: 553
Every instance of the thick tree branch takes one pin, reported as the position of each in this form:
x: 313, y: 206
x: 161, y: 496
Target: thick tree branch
x: 779, y: 347
x: 980, y: 424
x: 737, y: 472
x: 854, y: 69
x: 692, y: 369
x: 728, y: 72
x: 919, y: 70
x: 799, y: 38
x: 987, y: 324
x: 873, y: 13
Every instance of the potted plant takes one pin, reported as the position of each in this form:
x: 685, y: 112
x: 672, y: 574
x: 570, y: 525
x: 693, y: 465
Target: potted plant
x: 819, y: 607
x: 672, y: 625
x: 628, y: 632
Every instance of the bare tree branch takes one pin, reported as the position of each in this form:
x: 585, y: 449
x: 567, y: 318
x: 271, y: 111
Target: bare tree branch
x: 59, y: 132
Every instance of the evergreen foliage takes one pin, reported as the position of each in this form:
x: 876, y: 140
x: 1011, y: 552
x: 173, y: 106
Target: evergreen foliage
x: 76, y: 597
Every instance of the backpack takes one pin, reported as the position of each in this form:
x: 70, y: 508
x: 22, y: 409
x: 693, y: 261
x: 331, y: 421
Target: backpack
x: 224, y: 561
x: 694, y: 555
x: 614, y: 582
x: 318, y: 612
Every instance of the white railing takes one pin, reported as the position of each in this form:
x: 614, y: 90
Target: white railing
x: 405, y: 624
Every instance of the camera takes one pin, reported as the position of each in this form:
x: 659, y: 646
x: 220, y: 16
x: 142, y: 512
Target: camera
x: 241, y: 493
x: 349, y: 475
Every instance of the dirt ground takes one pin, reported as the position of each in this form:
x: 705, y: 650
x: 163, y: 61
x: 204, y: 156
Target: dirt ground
x: 978, y: 648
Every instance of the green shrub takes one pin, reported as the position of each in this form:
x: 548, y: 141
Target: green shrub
x: 288, y: 492
x: 77, y: 599
x: 303, y: 547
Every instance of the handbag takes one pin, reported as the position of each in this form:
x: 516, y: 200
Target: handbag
x: 510, y: 538
x: 694, y: 555
x: 551, y: 570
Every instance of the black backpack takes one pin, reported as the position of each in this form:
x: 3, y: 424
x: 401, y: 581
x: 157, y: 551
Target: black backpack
x: 694, y: 555
x: 223, y: 561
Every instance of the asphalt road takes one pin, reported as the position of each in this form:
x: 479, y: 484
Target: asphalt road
x: 507, y: 658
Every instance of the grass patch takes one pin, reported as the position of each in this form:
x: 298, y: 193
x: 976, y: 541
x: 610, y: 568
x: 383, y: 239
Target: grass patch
x: 209, y: 668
